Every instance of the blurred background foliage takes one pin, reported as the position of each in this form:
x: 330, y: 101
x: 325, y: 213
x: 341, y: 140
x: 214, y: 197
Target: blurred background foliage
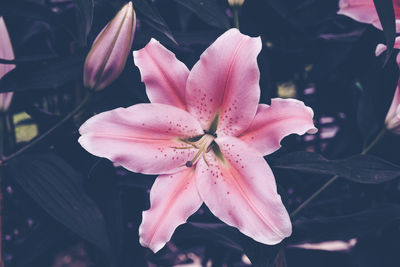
x: 64, y: 207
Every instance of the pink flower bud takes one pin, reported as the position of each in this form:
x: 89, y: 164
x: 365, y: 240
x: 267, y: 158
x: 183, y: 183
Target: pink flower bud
x: 6, y: 52
x: 107, y: 57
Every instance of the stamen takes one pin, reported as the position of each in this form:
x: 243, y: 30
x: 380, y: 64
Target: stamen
x: 203, y: 145
x: 204, y: 158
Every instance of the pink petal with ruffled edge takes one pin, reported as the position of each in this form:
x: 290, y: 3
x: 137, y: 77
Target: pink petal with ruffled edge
x: 272, y: 123
x: 226, y: 80
x: 173, y: 199
x: 364, y: 11
x: 6, y: 52
x: 241, y: 191
x: 163, y: 74
x: 142, y: 138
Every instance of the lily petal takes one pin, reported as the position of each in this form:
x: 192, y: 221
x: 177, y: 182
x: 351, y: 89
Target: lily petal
x: 272, y: 123
x: 241, y: 191
x: 6, y: 52
x: 393, y: 116
x: 173, y: 199
x: 142, y: 138
x: 226, y: 81
x: 364, y: 11
x: 163, y: 74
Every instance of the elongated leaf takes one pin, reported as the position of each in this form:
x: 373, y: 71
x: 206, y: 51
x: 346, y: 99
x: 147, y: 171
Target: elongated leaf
x: 226, y: 236
x: 28, y: 9
x: 385, y: 11
x: 84, y: 18
x: 361, y: 168
x: 208, y: 11
x: 344, y: 227
x: 58, y: 189
x: 153, y: 18
x: 50, y: 76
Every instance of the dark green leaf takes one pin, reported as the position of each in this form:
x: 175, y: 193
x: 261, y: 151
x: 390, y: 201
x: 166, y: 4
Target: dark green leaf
x: 27, y: 9
x: 360, y: 168
x: 385, y: 11
x: 226, y: 236
x: 208, y: 11
x: 50, y: 76
x: 218, y: 232
x: 153, y: 18
x: 84, y: 18
x: 344, y: 227
x: 58, y: 189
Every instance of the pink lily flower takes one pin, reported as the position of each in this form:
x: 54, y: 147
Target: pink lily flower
x: 6, y: 52
x: 107, y: 57
x: 206, y: 134
x: 392, y: 119
x: 364, y: 11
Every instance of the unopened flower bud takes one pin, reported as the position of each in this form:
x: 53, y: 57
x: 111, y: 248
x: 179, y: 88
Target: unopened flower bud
x: 235, y: 2
x: 107, y: 57
x: 6, y: 52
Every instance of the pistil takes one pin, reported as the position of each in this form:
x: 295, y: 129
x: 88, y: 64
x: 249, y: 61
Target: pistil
x: 204, y: 145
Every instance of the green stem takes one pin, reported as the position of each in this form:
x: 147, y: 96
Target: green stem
x: 3, y: 138
x: 48, y: 132
x: 380, y: 135
x: 3, y: 132
x: 236, y: 16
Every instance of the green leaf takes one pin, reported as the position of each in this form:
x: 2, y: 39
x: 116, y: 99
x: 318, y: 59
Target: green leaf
x: 208, y: 11
x: 84, y: 18
x: 28, y: 9
x: 360, y: 168
x: 229, y: 237
x: 49, y: 76
x: 385, y: 11
x: 153, y: 18
x: 58, y: 189
x: 344, y: 227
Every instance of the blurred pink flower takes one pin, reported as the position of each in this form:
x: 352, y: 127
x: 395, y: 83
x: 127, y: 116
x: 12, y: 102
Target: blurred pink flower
x: 6, y: 52
x: 392, y: 120
x: 107, y: 57
x: 364, y: 11
x: 206, y: 134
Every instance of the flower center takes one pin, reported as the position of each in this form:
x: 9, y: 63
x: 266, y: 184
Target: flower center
x: 204, y: 145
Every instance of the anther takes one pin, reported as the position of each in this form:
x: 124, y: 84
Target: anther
x: 189, y: 164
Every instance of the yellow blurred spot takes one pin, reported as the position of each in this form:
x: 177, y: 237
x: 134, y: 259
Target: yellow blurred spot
x: 24, y: 132
x: 308, y: 68
x: 286, y: 90
x: 269, y: 44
